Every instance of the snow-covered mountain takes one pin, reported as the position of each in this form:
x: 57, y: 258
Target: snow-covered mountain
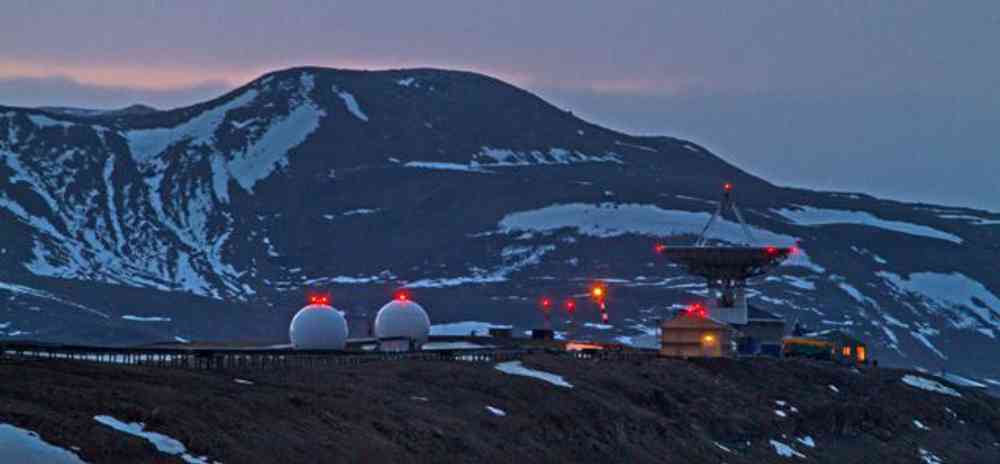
x: 210, y: 221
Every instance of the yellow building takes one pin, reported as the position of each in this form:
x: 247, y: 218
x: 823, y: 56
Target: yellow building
x: 693, y: 335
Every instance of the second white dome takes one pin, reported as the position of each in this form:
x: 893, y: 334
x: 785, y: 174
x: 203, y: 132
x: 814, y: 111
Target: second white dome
x: 402, y: 318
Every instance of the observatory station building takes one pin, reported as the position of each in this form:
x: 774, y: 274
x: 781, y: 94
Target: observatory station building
x: 726, y: 270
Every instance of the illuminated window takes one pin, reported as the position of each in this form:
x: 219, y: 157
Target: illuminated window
x: 846, y: 351
x: 861, y: 354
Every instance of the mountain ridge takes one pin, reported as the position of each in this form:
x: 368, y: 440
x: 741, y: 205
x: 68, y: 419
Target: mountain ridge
x: 454, y: 183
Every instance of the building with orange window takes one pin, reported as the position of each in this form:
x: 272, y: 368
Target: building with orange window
x: 695, y: 335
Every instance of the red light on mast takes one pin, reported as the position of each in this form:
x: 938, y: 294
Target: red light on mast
x: 659, y: 248
x: 598, y: 292
x: 546, y: 304
x: 570, y: 306
x: 728, y: 187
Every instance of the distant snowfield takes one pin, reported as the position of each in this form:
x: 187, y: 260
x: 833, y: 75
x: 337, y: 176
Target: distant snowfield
x: 446, y: 166
x: 606, y: 220
x: 515, y: 258
x: 492, y: 156
x: 949, y: 291
x: 435, y: 346
x: 129, y: 317
x: 465, y: 328
x: 975, y: 220
x: 516, y: 368
x: 809, y: 216
x: 18, y: 445
x: 163, y: 443
x: 612, y: 220
x: 21, y: 289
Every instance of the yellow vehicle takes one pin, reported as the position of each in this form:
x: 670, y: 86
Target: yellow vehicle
x: 828, y: 345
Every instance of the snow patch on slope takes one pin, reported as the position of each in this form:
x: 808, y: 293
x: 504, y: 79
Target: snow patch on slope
x: 490, y: 156
x: 924, y: 383
x: 612, y: 220
x: 351, y: 103
x: 809, y: 216
x: 955, y: 292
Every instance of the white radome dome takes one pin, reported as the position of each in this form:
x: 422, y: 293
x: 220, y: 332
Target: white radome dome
x: 402, y: 318
x: 318, y: 327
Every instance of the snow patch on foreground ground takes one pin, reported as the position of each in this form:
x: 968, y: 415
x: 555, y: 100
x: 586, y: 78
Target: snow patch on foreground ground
x: 163, y: 443
x: 928, y: 457
x: 808, y: 216
x: 929, y: 385
x: 20, y: 445
x: 785, y: 451
x: 516, y: 368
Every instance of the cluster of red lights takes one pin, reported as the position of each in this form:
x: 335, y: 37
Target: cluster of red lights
x: 697, y: 310
x: 598, y: 293
x: 324, y: 299
x: 318, y: 299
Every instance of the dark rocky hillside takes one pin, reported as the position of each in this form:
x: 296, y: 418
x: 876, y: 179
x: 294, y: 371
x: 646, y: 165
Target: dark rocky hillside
x: 209, y: 222
x: 654, y: 410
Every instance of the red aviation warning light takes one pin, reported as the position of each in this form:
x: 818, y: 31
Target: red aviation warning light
x: 545, y: 303
x: 771, y: 251
x: 598, y: 292
x: 728, y: 187
x: 697, y: 310
x: 659, y: 248
x: 319, y: 299
x: 402, y: 295
x: 570, y: 305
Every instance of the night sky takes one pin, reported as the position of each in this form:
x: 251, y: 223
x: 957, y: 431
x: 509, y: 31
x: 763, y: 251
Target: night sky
x: 899, y: 99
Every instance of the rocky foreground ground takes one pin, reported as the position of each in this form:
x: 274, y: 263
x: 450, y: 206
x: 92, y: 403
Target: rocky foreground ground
x: 654, y: 410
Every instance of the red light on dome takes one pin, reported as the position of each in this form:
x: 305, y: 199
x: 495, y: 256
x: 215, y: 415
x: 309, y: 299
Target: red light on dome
x: 771, y: 250
x: 794, y: 250
x: 402, y: 296
x: 318, y: 299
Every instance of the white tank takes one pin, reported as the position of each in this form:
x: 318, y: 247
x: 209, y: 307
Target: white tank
x: 318, y: 327
x: 402, y: 318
